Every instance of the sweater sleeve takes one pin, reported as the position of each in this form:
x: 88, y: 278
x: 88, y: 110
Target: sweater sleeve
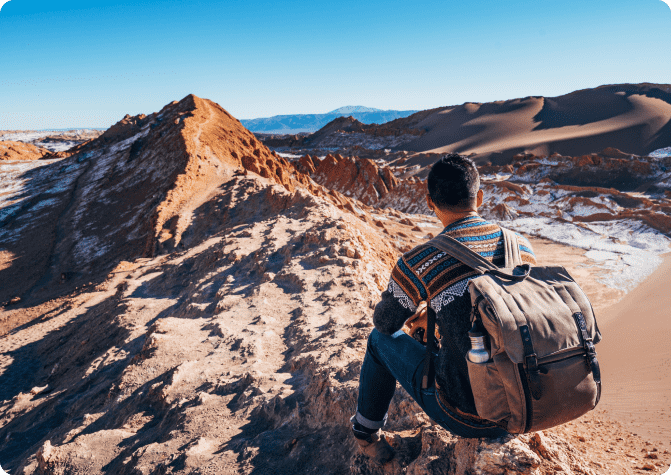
x: 398, y: 302
x: 526, y: 251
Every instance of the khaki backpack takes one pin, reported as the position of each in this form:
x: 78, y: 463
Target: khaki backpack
x: 541, y: 333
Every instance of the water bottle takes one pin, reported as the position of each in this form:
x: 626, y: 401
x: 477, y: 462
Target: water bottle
x: 478, y: 353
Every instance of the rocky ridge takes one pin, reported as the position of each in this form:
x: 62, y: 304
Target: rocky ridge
x: 292, y: 124
x: 347, y: 133
x: 62, y: 220
x: 226, y: 317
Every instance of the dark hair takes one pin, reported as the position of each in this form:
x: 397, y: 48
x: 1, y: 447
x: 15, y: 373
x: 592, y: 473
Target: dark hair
x: 454, y: 182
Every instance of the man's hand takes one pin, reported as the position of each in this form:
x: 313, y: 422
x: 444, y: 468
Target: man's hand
x: 415, y: 326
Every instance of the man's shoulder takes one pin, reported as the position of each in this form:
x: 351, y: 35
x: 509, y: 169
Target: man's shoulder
x: 418, y: 252
x: 482, y: 236
x: 526, y: 250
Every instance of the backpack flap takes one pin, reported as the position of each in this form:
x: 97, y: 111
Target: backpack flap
x: 541, y: 333
x: 545, y: 302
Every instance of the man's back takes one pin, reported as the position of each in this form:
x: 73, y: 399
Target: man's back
x: 428, y: 274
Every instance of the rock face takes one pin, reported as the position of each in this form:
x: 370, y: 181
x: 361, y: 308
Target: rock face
x: 360, y: 179
x: 226, y: 317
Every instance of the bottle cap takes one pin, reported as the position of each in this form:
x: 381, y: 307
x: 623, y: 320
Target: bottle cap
x: 475, y: 330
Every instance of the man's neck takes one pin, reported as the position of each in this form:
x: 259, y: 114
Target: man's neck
x: 449, y: 218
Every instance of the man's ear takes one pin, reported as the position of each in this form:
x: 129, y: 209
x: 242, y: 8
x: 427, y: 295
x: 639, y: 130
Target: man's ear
x: 429, y: 203
x: 481, y: 197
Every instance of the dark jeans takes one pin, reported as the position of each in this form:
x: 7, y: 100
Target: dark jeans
x: 400, y: 358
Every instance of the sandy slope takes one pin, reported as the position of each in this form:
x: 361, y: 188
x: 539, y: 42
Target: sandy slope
x: 636, y: 354
x: 633, y: 118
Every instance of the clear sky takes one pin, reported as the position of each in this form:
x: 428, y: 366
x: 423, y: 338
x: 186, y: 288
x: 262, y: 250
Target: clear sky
x: 77, y: 64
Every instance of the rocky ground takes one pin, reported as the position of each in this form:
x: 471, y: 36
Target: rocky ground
x: 196, y: 304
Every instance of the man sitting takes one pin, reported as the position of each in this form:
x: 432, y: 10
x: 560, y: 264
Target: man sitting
x: 428, y: 274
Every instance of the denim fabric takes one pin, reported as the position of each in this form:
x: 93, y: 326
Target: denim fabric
x: 398, y: 357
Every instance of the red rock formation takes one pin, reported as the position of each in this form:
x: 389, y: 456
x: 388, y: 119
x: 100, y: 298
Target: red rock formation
x: 306, y: 165
x: 358, y: 178
x: 612, y: 152
x: 503, y: 212
x: 656, y: 220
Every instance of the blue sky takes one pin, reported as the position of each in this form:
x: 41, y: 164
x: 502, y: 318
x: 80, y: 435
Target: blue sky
x: 76, y: 64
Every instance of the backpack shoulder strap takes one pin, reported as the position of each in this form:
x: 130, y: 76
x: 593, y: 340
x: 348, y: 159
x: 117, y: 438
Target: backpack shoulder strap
x: 478, y: 263
x: 513, y: 257
x: 462, y: 253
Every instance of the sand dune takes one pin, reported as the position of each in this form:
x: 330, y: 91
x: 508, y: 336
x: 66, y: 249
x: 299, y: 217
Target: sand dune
x: 633, y: 118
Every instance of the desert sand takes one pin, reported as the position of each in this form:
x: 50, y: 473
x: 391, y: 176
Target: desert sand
x: 636, y: 354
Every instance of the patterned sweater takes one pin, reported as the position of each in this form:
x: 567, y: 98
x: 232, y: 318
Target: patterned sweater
x: 428, y: 274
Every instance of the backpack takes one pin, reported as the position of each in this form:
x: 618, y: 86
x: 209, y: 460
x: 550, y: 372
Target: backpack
x: 541, y: 331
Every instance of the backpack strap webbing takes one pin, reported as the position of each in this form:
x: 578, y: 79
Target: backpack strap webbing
x: 512, y: 249
x: 462, y: 253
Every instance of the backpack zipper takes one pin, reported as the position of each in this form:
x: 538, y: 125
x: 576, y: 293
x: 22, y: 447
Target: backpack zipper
x: 527, y: 396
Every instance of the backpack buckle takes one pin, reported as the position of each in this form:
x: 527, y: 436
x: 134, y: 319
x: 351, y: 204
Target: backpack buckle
x: 531, y: 361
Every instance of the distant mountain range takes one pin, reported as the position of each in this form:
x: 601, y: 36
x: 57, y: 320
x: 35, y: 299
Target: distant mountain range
x: 293, y: 124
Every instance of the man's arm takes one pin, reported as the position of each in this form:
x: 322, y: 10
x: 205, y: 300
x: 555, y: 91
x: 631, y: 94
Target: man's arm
x: 526, y: 251
x: 398, y: 302
x: 390, y: 315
